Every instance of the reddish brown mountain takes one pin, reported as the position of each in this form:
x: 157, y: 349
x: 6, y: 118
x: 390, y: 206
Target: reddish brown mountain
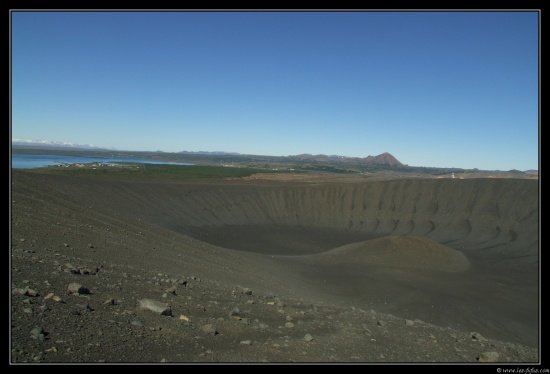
x: 383, y: 159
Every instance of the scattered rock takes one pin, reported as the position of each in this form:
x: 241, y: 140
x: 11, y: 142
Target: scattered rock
x: 77, y: 288
x: 477, y: 336
x: 155, y: 306
x: 26, y: 291
x: 209, y: 329
x: 171, y: 290
x: 488, y: 357
x: 235, y: 313
x: 32, y: 293
x: 38, y: 333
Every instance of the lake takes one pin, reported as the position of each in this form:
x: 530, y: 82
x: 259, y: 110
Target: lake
x: 32, y: 161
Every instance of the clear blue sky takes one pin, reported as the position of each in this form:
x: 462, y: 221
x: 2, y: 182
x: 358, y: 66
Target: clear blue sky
x: 441, y: 89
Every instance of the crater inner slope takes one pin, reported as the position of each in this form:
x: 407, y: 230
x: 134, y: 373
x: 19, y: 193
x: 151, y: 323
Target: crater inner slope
x: 493, y: 219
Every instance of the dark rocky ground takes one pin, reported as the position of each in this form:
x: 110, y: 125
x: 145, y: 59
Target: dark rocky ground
x: 86, y: 255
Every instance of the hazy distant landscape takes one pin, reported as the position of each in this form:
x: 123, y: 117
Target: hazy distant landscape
x: 296, y: 163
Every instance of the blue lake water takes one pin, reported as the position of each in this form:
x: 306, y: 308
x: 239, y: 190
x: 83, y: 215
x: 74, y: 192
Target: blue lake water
x: 30, y: 161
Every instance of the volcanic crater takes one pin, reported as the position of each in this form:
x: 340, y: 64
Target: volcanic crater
x: 457, y: 253
x: 492, y: 222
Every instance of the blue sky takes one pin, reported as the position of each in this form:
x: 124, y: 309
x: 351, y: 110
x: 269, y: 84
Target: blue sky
x: 440, y: 89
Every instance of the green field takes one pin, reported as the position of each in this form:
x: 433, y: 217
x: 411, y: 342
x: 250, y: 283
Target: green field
x: 156, y: 171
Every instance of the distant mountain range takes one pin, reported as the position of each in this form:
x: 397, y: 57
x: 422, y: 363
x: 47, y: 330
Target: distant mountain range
x: 382, y: 160
x: 385, y: 159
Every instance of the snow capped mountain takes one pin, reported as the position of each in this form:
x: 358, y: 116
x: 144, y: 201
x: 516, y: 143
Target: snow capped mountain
x: 56, y: 144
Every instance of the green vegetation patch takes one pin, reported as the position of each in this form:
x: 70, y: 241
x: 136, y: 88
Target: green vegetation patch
x: 328, y: 169
x: 151, y: 171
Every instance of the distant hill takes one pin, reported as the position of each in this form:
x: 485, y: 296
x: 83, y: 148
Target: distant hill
x: 384, y: 159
